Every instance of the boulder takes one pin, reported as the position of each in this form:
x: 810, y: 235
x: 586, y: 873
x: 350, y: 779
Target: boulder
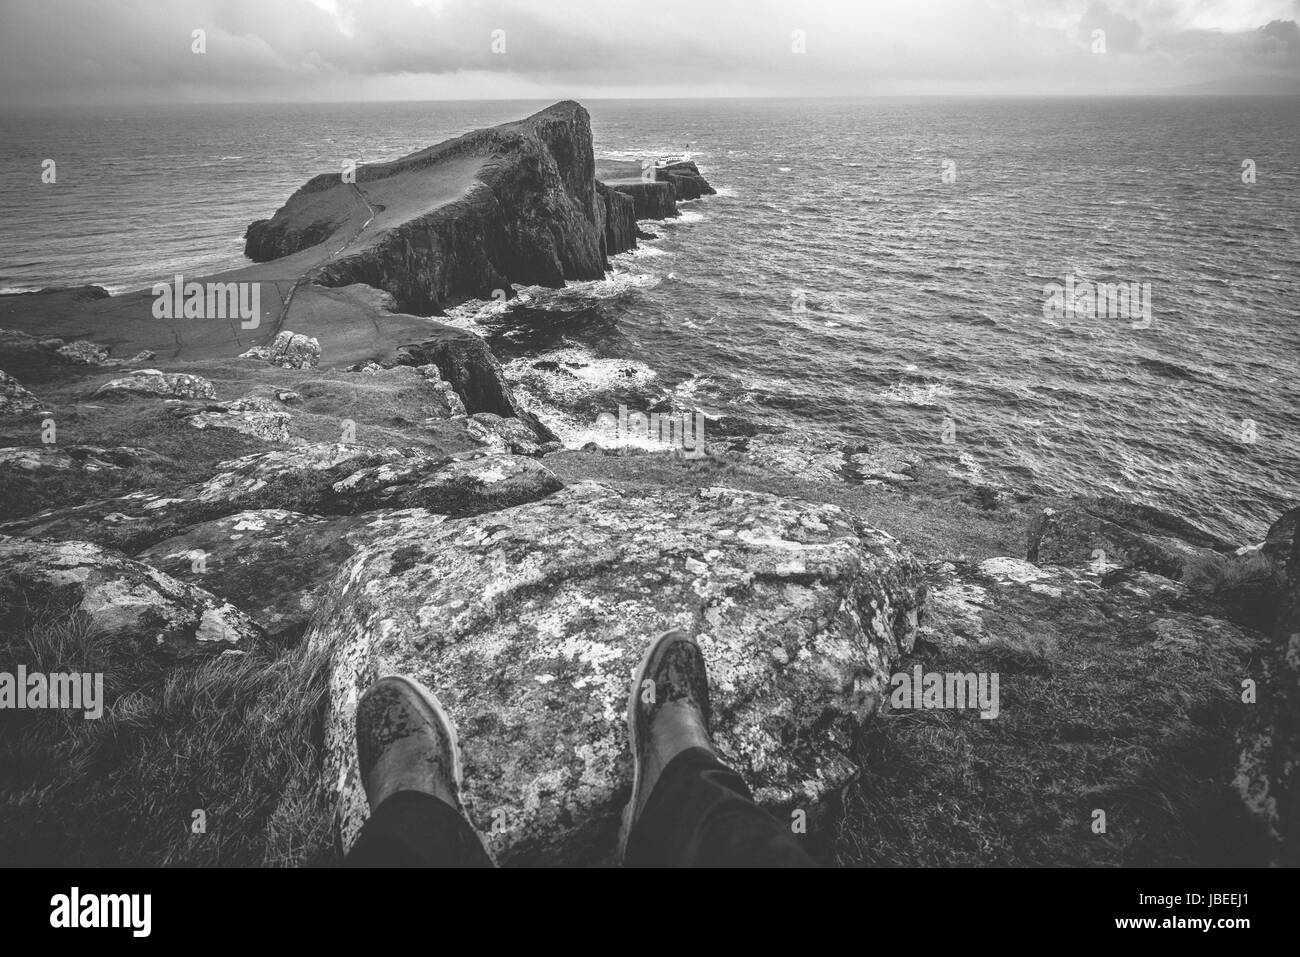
x: 507, y: 435
x: 299, y: 478
x: 1106, y: 532
x: 88, y: 458
x: 252, y: 415
x: 14, y: 399
x: 529, y: 623
x: 454, y: 487
x: 123, y: 599
x: 288, y: 351
x: 151, y: 382
x: 273, y: 564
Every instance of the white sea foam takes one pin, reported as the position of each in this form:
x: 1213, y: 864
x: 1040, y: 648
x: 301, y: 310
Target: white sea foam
x: 918, y: 393
x: 573, y: 297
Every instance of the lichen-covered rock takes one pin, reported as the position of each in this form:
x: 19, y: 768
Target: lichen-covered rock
x: 82, y: 352
x: 288, y: 351
x: 1107, y: 532
x: 450, y: 403
x: 273, y: 564
x: 14, y: 399
x: 252, y: 415
x: 87, y: 353
x: 507, y: 435
x: 87, y: 457
x: 299, y: 478
x: 122, y: 598
x: 528, y: 623
x: 449, y: 486
x: 151, y: 382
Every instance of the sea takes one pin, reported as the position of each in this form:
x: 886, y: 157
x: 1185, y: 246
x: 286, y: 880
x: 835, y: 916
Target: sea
x: 874, y: 272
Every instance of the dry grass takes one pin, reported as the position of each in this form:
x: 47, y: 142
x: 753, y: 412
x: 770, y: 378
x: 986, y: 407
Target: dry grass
x: 237, y: 736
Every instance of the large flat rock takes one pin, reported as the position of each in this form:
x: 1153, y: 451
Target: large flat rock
x: 529, y: 622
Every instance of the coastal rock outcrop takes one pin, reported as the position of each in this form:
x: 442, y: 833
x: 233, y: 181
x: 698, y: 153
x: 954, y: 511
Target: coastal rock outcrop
x: 686, y: 179
x: 512, y: 204
x: 1111, y: 532
x: 1268, y: 773
x: 529, y: 622
x: 466, y: 363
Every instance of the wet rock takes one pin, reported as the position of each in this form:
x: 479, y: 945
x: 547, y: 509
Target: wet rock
x: 151, y: 382
x: 122, y: 598
x: 288, y: 351
x: 528, y: 623
x: 14, y: 399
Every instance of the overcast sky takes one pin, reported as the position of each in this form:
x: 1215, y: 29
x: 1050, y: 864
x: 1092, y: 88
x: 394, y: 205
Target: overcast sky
x: 120, y: 51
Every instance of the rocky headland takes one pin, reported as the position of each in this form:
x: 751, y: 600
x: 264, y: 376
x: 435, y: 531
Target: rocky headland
x: 242, y: 525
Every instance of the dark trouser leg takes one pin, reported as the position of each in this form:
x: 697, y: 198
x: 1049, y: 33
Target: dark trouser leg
x: 700, y: 814
x: 414, y: 829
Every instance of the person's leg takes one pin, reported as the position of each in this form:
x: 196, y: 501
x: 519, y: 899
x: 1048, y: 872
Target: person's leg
x: 688, y: 809
x: 410, y: 769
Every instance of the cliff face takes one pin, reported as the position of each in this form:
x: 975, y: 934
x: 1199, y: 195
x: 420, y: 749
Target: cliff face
x: 516, y: 203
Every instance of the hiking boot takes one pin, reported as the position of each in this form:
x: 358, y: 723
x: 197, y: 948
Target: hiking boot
x: 406, y: 742
x: 667, y: 713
